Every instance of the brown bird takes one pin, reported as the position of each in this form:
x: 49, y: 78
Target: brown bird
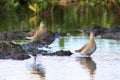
x: 40, y: 33
x: 88, y: 48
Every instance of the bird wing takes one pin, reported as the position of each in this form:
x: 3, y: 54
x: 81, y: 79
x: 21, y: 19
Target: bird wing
x: 83, y: 47
x: 32, y: 32
x: 31, y: 37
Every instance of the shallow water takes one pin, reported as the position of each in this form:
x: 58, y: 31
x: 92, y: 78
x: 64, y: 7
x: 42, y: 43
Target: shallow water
x: 103, y: 64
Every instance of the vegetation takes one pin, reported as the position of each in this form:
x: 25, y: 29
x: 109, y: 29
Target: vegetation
x: 40, y: 5
x: 34, y: 5
x: 101, y: 12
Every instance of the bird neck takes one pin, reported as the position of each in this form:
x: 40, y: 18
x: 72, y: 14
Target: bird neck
x: 91, y: 38
x: 40, y: 29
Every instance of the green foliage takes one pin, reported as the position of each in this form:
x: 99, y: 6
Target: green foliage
x: 8, y: 4
x: 98, y: 2
x: 35, y: 5
x: 40, y: 5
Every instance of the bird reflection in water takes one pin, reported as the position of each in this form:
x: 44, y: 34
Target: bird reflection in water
x: 38, y: 69
x: 88, y: 64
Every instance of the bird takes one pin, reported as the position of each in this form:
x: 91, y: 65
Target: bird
x: 40, y: 33
x: 88, y: 48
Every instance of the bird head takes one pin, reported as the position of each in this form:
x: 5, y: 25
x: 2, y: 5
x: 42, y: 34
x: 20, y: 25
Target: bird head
x: 42, y: 25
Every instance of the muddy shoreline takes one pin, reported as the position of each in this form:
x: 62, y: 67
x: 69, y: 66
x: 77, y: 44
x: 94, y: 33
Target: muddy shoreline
x: 105, y: 33
x: 9, y: 50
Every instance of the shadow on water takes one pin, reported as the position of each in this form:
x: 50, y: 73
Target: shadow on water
x: 38, y: 69
x: 88, y: 64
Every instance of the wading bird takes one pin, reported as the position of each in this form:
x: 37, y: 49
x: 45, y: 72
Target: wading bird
x: 40, y: 33
x: 88, y: 48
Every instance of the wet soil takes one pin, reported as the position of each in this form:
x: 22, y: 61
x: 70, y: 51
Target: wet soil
x: 111, y: 33
x: 10, y: 50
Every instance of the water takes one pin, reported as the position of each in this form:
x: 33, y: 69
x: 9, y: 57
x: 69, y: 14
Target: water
x: 103, y: 64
